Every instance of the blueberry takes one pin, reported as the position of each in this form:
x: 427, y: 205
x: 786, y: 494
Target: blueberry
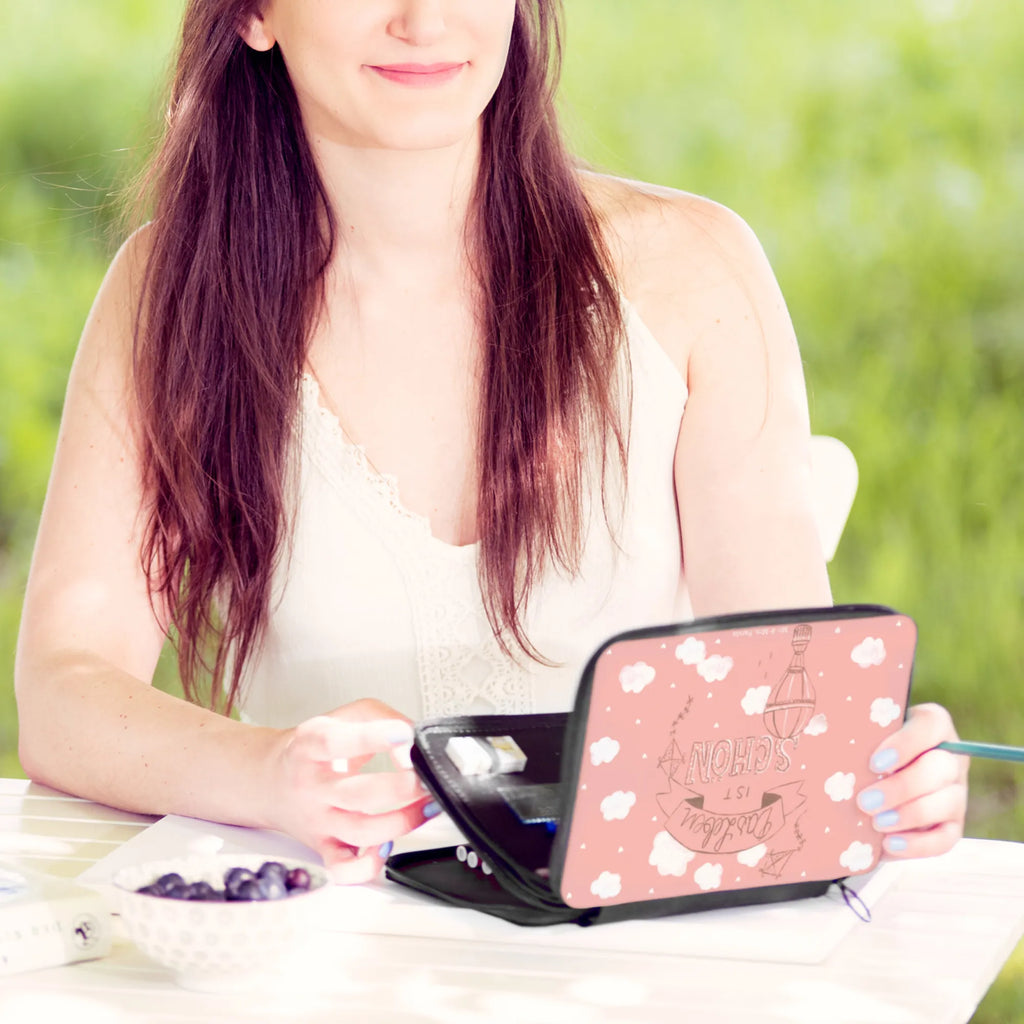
x: 201, y: 891
x: 177, y: 892
x: 166, y: 882
x: 151, y: 890
x: 234, y: 877
x: 272, y: 887
x: 298, y: 880
x: 273, y: 869
x: 247, y: 890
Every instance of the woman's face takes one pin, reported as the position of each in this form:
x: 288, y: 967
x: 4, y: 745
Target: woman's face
x: 392, y: 74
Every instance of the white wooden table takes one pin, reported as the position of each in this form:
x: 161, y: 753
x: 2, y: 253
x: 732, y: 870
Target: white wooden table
x: 938, y: 938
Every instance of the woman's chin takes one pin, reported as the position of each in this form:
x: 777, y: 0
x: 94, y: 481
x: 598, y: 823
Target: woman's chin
x: 426, y: 134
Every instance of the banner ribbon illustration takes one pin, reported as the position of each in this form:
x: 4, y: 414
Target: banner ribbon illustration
x: 700, y: 828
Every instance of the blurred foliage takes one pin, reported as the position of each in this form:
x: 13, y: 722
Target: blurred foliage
x: 876, y: 148
x: 79, y: 98
x: 879, y: 154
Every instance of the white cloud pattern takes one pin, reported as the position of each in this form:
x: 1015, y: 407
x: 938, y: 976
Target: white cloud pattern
x: 606, y: 885
x: 617, y: 806
x: 817, y: 726
x: 756, y: 699
x: 691, y: 651
x: 604, y: 751
x: 669, y: 856
x: 708, y: 876
x: 636, y: 678
x: 884, y: 711
x: 752, y: 857
x: 715, y: 668
x: 840, y: 786
x: 857, y: 857
x: 870, y: 651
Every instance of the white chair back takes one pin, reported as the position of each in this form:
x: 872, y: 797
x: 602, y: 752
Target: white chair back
x: 834, y: 480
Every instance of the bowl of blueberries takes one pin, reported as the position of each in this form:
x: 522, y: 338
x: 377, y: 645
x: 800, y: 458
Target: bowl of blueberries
x: 218, y: 922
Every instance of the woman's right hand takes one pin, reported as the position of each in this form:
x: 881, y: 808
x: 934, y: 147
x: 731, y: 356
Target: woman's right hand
x: 322, y: 799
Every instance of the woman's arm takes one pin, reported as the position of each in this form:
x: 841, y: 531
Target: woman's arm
x: 90, y: 722
x: 702, y: 284
x: 742, y: 473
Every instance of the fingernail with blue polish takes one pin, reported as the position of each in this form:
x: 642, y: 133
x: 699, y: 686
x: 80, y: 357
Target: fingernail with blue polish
x: 884, y: 760
x: 385, y: 850
x: 871, y: 799
x: 398, y: 732
x: 895, y: 844
x: 431, y: 810
x: 887, y: 819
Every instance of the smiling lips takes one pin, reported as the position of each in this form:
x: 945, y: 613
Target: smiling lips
x: 418, y: 76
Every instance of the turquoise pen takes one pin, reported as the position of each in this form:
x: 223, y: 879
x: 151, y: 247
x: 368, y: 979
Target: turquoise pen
x: 990, y: 750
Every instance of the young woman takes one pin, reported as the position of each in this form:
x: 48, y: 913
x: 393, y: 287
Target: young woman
x: 383, y: 416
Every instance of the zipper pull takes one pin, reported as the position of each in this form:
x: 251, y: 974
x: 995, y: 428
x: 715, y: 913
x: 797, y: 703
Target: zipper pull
x: 852, y: 899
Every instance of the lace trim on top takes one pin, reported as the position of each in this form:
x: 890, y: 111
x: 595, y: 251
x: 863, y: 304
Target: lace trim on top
x: 384, y: 485
x: 460, y: 664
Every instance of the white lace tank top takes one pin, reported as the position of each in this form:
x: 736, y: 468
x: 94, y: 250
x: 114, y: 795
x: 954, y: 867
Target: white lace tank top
x: 371, y: 604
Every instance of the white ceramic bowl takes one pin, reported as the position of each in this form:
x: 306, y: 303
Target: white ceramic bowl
x: 217, y: 946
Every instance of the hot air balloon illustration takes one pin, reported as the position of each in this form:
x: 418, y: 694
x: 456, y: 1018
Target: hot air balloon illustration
x: 791, y: 704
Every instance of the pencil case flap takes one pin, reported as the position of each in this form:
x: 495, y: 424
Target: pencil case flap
x: 726, y: 754
x: 482, y: 806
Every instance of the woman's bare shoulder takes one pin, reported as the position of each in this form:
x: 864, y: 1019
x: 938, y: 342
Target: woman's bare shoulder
x: 687, y: 263
x: 102, y: 367
x: 104, y: 352
x: 657, y: 232
x: 124, y: 278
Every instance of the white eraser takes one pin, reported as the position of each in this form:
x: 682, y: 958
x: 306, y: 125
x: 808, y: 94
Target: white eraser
x: 468, y: 754
x: 485, y: 755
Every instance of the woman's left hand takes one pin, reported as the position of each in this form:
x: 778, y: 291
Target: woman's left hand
x: 920, y: 800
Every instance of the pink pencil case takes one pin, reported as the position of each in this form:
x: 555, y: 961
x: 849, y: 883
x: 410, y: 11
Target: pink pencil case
x: 705, y: 764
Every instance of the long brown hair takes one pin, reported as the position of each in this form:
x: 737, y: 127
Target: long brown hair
x: 242, y: 235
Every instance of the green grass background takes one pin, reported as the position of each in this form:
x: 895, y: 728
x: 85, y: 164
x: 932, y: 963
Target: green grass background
x: 877, y: 149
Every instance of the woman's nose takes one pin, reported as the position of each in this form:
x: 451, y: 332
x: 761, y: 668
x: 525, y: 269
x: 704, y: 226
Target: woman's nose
x: 419, y: 22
